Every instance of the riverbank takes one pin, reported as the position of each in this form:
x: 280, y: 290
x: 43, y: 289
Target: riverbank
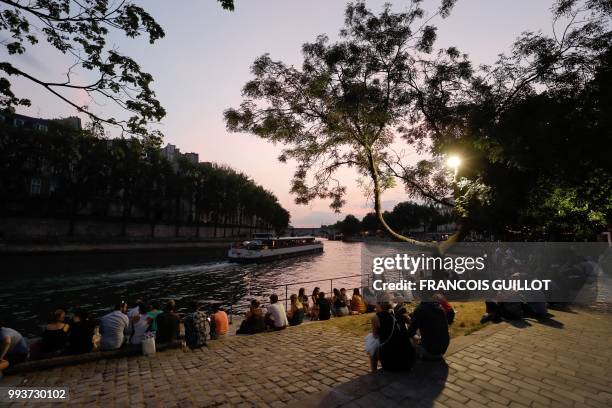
x: 317, y: 364
x: 112, y: 247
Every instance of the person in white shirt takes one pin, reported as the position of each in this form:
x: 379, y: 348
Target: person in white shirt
x: 114, y: 327
x: 276, y: 317
x: 139, y: 323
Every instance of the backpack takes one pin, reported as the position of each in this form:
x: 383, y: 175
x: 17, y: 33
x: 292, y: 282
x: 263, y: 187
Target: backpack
x: 396, y: 352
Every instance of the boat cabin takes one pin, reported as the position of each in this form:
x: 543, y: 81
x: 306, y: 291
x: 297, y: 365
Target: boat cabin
x: 283, y: 242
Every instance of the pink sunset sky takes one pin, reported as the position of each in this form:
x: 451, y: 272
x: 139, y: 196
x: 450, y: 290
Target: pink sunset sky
x: 204, y: 60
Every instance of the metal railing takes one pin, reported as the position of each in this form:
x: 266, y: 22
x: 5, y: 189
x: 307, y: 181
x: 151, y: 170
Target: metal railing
x: 331, y: 285
x: 287, y: 285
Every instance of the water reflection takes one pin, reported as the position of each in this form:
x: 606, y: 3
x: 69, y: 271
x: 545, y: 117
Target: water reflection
x: 94, y: 282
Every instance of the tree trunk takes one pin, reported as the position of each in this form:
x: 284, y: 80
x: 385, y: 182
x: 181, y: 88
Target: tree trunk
x: 177, y: 215
x: 127, y: 209
x: 377, y: 206
x: 197, y: 221
x: 215, y: 223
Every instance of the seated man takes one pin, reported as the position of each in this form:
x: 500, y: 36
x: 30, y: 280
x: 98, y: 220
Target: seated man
x: 114, y: 328
x: 168, y: 324
x: 276, y: 317
x: 82, y: 330
x: 254, y: 320
x: 13, y: 347
x: 196, y: 325
x: 430, y: 320
x: 219, y: 323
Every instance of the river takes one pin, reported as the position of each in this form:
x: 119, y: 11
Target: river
x: 34, y: 287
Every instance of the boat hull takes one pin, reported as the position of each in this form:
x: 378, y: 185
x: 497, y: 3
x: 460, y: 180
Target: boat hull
x: 266, y: 255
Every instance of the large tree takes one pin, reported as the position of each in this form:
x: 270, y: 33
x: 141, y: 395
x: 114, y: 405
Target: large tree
x: 81, y: 30
x: 535, y: 128
x: 381, y: 80
x: 350, y: 99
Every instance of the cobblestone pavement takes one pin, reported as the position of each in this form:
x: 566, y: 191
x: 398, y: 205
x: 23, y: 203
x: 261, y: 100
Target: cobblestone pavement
x: 564, y: 361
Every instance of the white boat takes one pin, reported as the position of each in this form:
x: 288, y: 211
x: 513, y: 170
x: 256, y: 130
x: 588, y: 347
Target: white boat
x: 268, y: 248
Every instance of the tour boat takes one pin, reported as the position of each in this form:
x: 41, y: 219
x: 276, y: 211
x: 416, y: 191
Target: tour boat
x: 268, y: 248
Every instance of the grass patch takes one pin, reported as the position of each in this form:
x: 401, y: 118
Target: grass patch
x: 467, y: 320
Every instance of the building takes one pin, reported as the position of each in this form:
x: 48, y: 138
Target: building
x: 39, y: 124
x: 173, y: 153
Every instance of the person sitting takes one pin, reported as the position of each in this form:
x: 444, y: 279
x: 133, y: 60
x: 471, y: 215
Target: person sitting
x: 55, y: 336
x: 168, y: 324
x: 314, y: 311
x: 323, y: 306
x: 114, y: 328
x: 276, y: 318
x: 254, y: 321
x: 430, y: 320
x: 295, y: 315
x: 195, y: 327
x: 400, y: 310
x: 140, y: 323
x: 135, y: 310
x: 389, y: 341
x: 154, y: 311
x: 303, y: 298
x: 80, y: 337
x: 339, y: 305
x: 219, y: 323
x: 13, y: 347
x: 507, y: 305
x: 358, y: 305
x: 448, y: 308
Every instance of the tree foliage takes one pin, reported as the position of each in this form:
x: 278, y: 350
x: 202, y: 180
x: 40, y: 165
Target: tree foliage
x: 81, y: 30
x: 532, y: 129
x: 86, y: 175
x: 350, y: 98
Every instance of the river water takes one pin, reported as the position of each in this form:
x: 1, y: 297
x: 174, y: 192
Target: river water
x: 33, y: 287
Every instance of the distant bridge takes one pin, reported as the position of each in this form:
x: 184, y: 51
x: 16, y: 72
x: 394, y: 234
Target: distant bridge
x: 322, y: 231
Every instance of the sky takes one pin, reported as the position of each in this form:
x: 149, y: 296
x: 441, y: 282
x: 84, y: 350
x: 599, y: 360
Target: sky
x: 204, y: 61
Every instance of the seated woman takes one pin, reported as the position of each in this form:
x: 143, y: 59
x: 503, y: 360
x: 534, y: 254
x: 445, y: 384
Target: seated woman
x: 389, y: 341
x: 340, y: 308
x: 358, y: 305
x: 303, y: 298
x: 324, y: 308
x: 254, y: 321
x: 80, y: 337
x: 314, y: 312
x: 295, y: 315
x: 55, y: 336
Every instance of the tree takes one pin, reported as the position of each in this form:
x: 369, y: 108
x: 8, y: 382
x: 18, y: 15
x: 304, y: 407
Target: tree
x: 349, y: 226
x: 81, y: 30
x: 534, y: 128
x: 350, y: 98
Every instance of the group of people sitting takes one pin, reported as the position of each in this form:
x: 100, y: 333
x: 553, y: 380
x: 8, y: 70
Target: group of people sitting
x: 131, y: 326
x: 122, y: 327
x: 317, y: 307
x: 399, y: 337
x: 396, y: 339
